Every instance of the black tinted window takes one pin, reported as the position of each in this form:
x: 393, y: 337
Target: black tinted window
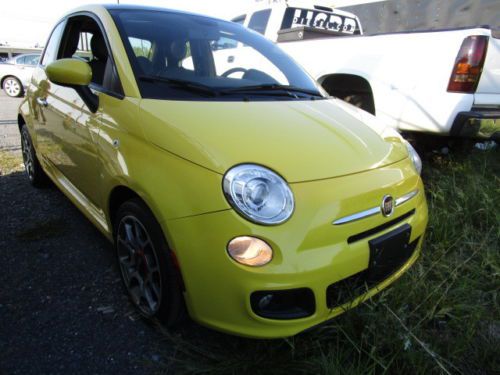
x: 240, y: 19
x: 259, y: 21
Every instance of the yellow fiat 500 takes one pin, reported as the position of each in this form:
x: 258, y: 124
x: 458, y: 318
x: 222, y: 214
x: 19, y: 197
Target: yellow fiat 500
x: 231, y: 186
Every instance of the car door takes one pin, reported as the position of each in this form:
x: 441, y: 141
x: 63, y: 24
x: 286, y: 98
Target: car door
x: 71, y: 126
x: 40, y: 94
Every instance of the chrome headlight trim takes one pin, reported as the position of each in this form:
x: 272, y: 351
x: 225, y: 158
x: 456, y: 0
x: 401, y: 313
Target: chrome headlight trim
x: 258, y: 194
x: 414, y: 157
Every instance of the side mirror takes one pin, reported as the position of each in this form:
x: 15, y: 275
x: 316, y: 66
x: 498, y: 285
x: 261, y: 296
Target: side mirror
x: 69, y: 72
x: 75, y: 74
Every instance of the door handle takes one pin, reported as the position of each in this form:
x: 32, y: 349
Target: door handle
x: 42, y: 102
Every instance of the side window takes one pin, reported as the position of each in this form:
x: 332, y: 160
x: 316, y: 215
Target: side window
x: 240, y: 19
x: 83, y: 51
x: 142, y: 47
x: 259, y: 21
x: 22, y: 60
x: 83, y: 39
x: 50, y: 52
x: 223, y: 43
x: 143, y: 52
x: 32, y: 59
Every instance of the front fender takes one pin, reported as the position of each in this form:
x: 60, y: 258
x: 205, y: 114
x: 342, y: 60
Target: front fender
x: 171, y: 186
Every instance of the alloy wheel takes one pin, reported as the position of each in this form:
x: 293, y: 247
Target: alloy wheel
x: 139, y: 265
x: 28, y: 159
x: 12, y: 87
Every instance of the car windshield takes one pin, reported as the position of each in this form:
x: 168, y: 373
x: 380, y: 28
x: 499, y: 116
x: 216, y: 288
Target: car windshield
x: 183, y: 56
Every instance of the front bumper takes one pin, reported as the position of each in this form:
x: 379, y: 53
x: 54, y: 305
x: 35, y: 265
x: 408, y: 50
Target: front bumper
x: 477, y: 123
x: 309, y: 252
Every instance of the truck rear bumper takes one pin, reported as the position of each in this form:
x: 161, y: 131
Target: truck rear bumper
x: 477, y: 123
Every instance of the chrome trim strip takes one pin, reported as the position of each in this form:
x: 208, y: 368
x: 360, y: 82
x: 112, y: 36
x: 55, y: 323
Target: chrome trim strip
x: 405, y: 198
x: 357, y: 216
x: 375, y: 210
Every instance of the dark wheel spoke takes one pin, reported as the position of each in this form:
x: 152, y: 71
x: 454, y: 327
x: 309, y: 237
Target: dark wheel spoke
x: 127, y: 267
x: 128, y: 246
x: 27, y: 154
x: 150, y: 299
x: 139, y: 265
x: 154, y: 287
x: 141, y: 237
x: 130, y: 234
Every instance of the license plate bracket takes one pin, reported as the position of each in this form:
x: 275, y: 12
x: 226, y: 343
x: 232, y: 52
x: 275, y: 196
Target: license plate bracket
x: 389, y: 252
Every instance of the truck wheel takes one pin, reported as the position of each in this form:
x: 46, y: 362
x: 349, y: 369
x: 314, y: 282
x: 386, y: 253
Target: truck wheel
x: 146, y: 266
x: 12, y: 87
x: 34, y: 170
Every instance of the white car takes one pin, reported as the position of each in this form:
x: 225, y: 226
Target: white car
x: 444, y: 82
x: 16, y: 73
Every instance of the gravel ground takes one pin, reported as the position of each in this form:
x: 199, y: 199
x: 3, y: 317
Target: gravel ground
x: 9, y: 133
x: 62, y: 307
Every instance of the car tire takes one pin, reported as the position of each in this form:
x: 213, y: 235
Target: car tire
x: 13, y: 87
x: 146, y: 264
x: 32, y: 166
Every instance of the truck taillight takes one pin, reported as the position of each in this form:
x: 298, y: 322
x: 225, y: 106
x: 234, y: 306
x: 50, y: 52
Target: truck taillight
x: 469, y: 64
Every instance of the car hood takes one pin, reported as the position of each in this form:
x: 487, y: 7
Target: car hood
x: 301, y: 140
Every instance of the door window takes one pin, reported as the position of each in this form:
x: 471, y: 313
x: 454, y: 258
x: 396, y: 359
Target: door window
x: 259, y: 21
x: 83, y: 39
x: 239, y: 20
x: 21, y: 60
x: 32, y: 59
x: 224, y: 43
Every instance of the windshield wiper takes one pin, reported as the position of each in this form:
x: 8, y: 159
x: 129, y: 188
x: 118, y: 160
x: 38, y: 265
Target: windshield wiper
x: 181, y: 84
x: 286, y: 89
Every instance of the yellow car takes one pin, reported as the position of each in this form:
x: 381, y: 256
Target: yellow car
x: 232, y: 187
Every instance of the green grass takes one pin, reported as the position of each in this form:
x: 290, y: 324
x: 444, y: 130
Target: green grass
x: 441, y: 317
x: 10, y: 163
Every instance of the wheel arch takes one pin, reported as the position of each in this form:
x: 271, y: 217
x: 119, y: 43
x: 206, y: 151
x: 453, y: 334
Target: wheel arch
x: 20, y: 121
x: 121, y: 193
x: 343, y: 85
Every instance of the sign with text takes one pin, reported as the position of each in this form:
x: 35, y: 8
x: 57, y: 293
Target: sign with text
x: 320, y: 19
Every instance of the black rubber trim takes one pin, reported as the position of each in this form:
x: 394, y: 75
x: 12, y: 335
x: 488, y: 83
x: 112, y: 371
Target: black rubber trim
x: 380, y: 228
x: 463, y: 117
x: 290, y: 303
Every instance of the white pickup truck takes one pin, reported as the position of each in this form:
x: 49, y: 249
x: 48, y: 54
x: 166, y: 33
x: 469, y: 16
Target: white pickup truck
x: 444, y: 82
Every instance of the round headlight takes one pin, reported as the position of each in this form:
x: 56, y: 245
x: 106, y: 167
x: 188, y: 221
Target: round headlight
x: 258, y: 194
x: 415, y: 158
